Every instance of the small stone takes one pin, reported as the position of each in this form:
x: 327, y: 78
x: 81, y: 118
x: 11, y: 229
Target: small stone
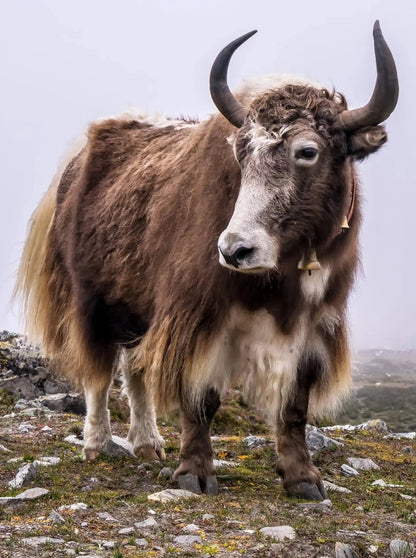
x: 126, y: 531
x: 27, y: 495
x: 108, y: 545
x: 141, y: 542
x: 277, y: 549
x: 402, y: 435
x: 349, y: 471
x: 56, y: 517
x: 166, y: 473
x: 317, y: 441
x: 359, y: 508
x: 3, y: 449
x: 401, y: 549
x: 324, y: 506
x: 372, y: 549
x: 407, y: 497
x: 384, y: 484
x: 46, y: 429
x: 47, y: 461
x: 362, y: 464
x: 407, y: 449
x: 84, y: 524
x: 335, y: 488
x: 170, y: 495
x: 74, y: 507
x: 248, y: 531
x: 207, y: 517
x: 224, y: 463
x: 279, y: 533
x: 187, y: 540
x: 148, y: 523
x: 74, y: 440
x: 107, y: 517
x: 37, y: 541
x: 151, y: 512
x: 25, y: 476
x: 343, y: 550
x: 254, y: 442
x: 191, y: 528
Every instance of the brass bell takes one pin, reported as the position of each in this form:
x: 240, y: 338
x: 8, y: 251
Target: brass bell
x: 309, y: 262
x: 345, y: 224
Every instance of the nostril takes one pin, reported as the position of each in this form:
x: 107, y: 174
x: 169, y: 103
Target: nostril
x: 236, y: 257
x: 242, y: 253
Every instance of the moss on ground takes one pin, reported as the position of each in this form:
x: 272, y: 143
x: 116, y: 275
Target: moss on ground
x: 250, y: 498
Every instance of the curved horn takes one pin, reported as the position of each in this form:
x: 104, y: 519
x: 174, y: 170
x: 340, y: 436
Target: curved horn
x: 386, y: 90
x: 224, y: 100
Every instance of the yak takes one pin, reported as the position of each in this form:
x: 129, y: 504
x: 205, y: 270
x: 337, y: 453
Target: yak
x: 203, y: 255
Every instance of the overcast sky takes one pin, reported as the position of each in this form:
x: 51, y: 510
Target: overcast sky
x: 65, y: 63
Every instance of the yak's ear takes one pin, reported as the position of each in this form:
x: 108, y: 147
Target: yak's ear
x: 365, y: 141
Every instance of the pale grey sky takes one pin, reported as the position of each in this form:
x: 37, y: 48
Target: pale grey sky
x: 64, y: 63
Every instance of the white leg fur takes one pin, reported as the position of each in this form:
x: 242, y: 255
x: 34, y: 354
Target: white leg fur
x: 143, y: 434
x: 97, y: 432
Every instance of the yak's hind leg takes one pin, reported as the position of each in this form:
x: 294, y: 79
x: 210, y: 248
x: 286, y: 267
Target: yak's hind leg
x: 196, y: 471
x: 143, y: 434
x: 300, y: 477
x: 97, y: 432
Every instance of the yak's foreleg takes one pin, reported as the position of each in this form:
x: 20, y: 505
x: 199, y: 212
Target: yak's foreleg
x: 143, y: 434
x: 300, y: 477
x: 196, y: 471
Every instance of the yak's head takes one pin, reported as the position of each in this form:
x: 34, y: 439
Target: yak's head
x: 294, y: 145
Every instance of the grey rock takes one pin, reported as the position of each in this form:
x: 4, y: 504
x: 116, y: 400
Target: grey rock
x: 384, y: 484
x: 56, y: 517
x: 407, y: 449
x: 166, y: 473
x: 191, y: 528
x: 3, y: 449
x: 279, y: 533
x: 48, y: 461
x: 362, y: 464
x: 170, y: 495
x: 108, y: 545
x: 141, y: 542
x: 25, y: 476
x: 207, y: 517
x: 107, y: 517
x: 63, y: 402
x: 27, y: 495
x: 254, y: 442
x: 37, y: 541
x: 317, y: 441
x: 74, y: 507
x: 224, y: 463
x: 74, y: 440
x: 402, y: 435
x: 126, y: 531
x: 401, y: 549
x: 187, y: 540
x: 335, y: 488
x: 148, y: 523
x: 22, y: 387
x: 343, y: 550
x: 324, y: 506
x: 348, y: 471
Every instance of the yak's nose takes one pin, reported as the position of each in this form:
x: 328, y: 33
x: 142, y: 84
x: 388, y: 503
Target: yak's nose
x: 234, y: 250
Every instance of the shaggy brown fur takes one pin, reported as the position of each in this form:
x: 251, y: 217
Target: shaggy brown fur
x: 126, y: 254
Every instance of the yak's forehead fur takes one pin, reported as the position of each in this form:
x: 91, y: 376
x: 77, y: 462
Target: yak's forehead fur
x: 276, y: 103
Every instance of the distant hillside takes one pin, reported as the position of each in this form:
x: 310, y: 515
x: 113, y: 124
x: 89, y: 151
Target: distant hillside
x: 384, y: 387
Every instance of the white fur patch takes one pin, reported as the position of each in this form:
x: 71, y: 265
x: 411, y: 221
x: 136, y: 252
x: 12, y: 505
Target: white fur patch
x: 156, y: 120
x: 314, y: 286
x: 251, y: 88
x: 250, y: 351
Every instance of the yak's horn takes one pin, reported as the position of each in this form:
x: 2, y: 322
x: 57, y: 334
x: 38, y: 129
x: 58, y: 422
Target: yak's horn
x: 225, y: 101
x: 386, y: 90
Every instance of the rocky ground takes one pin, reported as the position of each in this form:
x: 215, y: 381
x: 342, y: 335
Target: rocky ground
x: 53, y: 504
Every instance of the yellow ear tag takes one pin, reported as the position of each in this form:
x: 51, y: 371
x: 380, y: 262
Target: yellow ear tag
x: 345, y: 224
x: 309, y: 262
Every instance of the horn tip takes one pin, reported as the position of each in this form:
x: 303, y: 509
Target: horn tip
x: 376, y: 27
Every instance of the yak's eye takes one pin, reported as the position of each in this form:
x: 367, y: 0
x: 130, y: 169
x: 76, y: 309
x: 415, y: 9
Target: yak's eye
x: 305, y: 153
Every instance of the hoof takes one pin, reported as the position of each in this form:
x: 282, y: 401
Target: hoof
x: 194, y: 484
x: 150, y: 453
x: 307, y: 490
